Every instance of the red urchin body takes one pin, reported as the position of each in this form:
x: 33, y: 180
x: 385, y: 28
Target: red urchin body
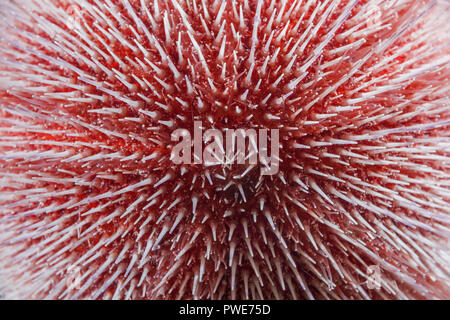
x: 90, y: 93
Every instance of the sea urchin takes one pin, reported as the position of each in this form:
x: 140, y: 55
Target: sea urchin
x: 92, y: 205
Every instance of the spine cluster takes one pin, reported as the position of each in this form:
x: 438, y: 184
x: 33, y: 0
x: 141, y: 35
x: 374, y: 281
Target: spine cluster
x: 91, y: 205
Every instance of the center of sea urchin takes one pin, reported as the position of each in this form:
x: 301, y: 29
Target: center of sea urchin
x: 100, y: 87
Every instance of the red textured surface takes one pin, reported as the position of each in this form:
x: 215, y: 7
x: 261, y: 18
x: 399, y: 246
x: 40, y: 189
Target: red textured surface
x: 74, y: 123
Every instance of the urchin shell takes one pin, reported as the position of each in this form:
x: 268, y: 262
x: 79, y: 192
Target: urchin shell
x: 91, y: 206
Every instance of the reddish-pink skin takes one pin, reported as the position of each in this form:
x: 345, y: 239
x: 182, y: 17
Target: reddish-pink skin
x: 220, y: 106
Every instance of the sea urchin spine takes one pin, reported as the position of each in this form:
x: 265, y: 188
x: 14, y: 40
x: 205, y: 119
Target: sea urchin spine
x: 90, y: 92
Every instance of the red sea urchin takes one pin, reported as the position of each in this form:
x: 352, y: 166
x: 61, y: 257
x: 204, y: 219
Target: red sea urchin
x: 91, y: 205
